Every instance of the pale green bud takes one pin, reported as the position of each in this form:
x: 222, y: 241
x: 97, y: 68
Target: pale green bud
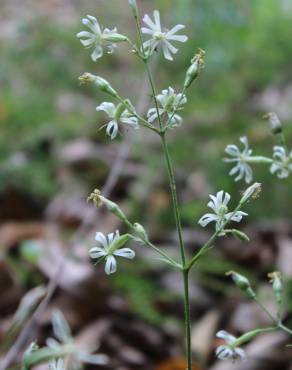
x: 240, y: 235
x: 276, y: 280
x: 100, y: 82
x: 140, y: 230
x: 243, y: 283
x: 113, y: 208
x: 134, y: 9
x: 195, y: 68
x: 276, y: 125
x: 114, y: 37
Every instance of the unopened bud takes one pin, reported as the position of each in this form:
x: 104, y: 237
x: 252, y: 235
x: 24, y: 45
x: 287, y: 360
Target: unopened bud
x: 240, y: 235
x: 276, y: 280
x: 195, y: 68
x: 251, y: 192
x: 243, y: 283
x: 114, y: 37
x: 275, y: 122
x: 134, y: 9
x: 140, y: 230
x: 100, y: 82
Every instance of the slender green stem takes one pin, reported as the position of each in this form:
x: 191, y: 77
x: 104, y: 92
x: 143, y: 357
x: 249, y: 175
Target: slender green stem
x: 284, y: 328
x: 258, y: 159
x: 182, y: 251
x: 174, y: 197
x: 151, y: 245
x: 188, y: 337
x: 175, y: 204
x: 259, y: 303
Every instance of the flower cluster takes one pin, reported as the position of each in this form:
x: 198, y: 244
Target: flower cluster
x: 160, y: 38
x: 110, y: 248
x: 169, y: 103
x: 240, y: 159
x: 229, y: 350
x: 221, y: 215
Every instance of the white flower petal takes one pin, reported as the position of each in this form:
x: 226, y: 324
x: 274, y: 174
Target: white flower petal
x: 112, y: 129
x: 97, y: 252
x: 125, y: 252
x: 223, y: 334
x: 97, y: 53
x: 207, y: 218
x: 100, y: 237
x: 110, y: 265
x: 107, y: 107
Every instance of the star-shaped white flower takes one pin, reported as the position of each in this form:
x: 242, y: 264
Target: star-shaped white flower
x: 109, y: 251
x: 219, y: 205
x: 239, y: 157
x: 117, y: 115
x: 77, y: 355
x: 282, y: 164
x: 98, y: 38
x: 169, y: 103
x: 160, y: 38
x: 229, y: 351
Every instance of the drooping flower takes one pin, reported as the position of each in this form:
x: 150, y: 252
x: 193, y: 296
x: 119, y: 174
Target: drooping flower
x: 240, y: 158
x: 118, y: 115
x: 229, y: 351
x: 169, y: 103
x: 282, y: 164
x: 98, y: 38
x: 160, y: 38
x: 110, y: 249
x: 76, y: 354
x: 219, y: 205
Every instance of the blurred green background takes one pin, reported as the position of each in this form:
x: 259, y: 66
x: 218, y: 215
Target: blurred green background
x: 42, y: 107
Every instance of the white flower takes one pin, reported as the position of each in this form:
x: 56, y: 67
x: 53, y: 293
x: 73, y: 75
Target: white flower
x: 160, y: 37
x: 98, y: 38
x: 169, y: 102
x: 109, y: 249
x: 117, y: 115
x: 282, y: 164
x: 240, y: 157
x: 219, y: 205
x: 77, y: 355
x: 229, y: 350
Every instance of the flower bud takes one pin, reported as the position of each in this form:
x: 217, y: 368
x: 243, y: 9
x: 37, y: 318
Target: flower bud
x: 240, y: 235
x: 275, y: 123
x: 243, y: 283
x: 100, y: 82
x: 113, y: 208
x: 276, y: 280
x: 195, y: 68
x: 252, y: 191
x: 134, y: 9
x: 114, y: 37
x: 140, y: 230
